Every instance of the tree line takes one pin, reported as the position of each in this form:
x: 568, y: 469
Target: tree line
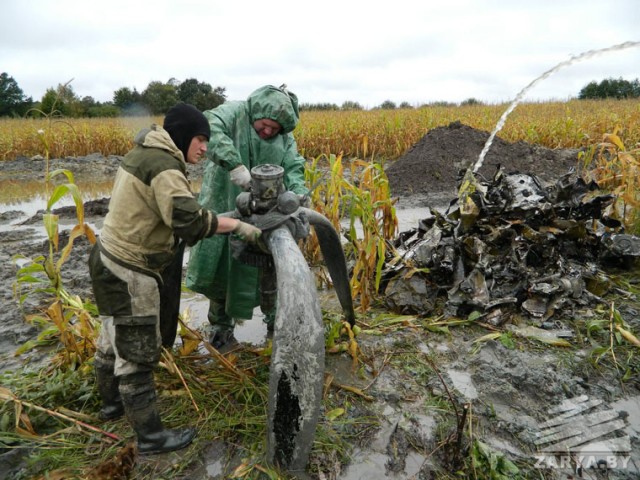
x: 158, y: 97
x: 611, y: 88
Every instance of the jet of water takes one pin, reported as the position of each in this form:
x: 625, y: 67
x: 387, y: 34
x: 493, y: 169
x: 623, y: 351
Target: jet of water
x: 566, y: 63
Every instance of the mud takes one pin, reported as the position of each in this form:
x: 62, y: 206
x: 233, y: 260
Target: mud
x: 508, y: 391
x: 433, y: 165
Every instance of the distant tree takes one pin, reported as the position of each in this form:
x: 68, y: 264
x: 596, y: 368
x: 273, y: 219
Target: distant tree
x: 470, y: 101
x: 200, y: 94
x: 86, y: 103
x: 439, y: 103
x: 61, y: 101
x: 13, y: 102
x: 350, y: 105
x: 106, y: 109
x: 611, y: 88
x: 91, y: 108
x: 49, y: 102
x: 405, y: 105
x: 159, y: 97
x: 318, y: 106
x: 387, y: 105
x: 129, y: 102
x: 590, y: 90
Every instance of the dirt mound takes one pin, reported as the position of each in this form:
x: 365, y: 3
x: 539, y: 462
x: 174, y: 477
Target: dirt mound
x: 433, y: 164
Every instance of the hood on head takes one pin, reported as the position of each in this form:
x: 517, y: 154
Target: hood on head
x: 277, y: 104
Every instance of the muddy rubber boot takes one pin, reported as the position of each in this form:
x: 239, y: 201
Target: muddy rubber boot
x: 139, y: 398
x: 107, y: 383
x: 222, y: 325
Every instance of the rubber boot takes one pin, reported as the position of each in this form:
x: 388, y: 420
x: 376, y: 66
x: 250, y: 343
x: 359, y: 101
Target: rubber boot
x: 221, y: 331
x: 107, y: 383
x: 139, y: 398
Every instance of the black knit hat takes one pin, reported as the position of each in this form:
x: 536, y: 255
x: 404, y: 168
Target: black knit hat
x: 183, y: 122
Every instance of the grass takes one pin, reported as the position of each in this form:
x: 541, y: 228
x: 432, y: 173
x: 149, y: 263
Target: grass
x: 226, y: 401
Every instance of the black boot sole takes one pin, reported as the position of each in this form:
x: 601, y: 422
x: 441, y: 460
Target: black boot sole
x: 113, y: 414
x: 188, y: 435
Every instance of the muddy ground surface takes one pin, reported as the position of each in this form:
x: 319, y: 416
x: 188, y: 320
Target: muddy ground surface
x: 511, y: 390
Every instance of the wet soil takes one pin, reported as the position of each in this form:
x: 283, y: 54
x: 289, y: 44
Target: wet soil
x: 429, y: 171
x: 505, y: 391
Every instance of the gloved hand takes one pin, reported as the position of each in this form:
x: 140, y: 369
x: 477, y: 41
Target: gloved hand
x: 247, y: 232
x: 241, y: 177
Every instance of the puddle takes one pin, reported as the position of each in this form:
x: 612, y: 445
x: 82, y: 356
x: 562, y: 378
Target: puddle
x: 365, y: 467
x: 31, y: 198
x: 196, y: 306
x: 408, y: 218
x: 371, y: 465
x: 632, y: 407
x: 462, y: 382
x: 215, y: 468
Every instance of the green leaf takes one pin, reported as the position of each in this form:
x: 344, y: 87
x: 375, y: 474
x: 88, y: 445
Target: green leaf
x: 59, y: 192
x: 438, y: 329
x: 30, y: 279
x: 379, y: 264
x: 50, y: 221
x: 63, y: 171
x: 335, y: 413
x: 507, y: 341
x: 31, y: 268
x: 26, y: 346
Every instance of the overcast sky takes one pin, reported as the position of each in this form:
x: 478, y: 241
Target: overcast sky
x: 325, y: 51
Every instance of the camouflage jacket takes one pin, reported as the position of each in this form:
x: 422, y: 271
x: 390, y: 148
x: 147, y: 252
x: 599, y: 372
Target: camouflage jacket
x: 151, y: 203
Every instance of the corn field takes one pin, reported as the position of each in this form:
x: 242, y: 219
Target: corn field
x: 384, y: 134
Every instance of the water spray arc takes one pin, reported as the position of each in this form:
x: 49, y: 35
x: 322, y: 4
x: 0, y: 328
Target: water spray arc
x: 574, y: 59
x: 470, y: 192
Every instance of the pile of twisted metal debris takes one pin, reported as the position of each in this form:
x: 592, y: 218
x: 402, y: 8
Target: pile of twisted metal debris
x: 511, y: 247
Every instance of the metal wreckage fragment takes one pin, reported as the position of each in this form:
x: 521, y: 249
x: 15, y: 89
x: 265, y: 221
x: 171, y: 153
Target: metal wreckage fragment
x: 510, y: 247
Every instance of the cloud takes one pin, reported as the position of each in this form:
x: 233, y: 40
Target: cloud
x: 330, y: 51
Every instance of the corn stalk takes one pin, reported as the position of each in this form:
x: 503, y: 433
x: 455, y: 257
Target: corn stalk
x: 67, y: 318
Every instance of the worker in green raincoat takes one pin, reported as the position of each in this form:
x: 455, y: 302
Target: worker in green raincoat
x: 244, y: 134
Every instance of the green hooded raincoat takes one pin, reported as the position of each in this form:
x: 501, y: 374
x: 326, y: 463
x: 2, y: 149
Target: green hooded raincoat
x: 212, y: 270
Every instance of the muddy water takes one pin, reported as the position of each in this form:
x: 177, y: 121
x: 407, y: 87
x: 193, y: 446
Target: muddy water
x: 254, y: 331
x: 463, y: 383
x: 26, y: 198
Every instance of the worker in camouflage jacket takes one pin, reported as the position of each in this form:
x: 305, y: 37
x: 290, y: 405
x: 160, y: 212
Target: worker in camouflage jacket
x: 152, y: 207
